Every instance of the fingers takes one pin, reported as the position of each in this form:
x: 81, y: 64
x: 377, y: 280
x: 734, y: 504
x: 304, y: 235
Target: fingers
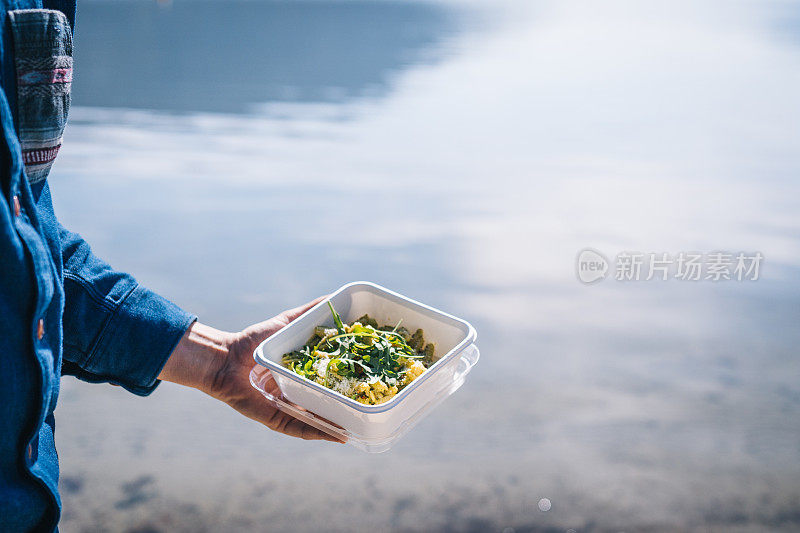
x: 288, y: 425
x: 277, y: 420
x: 258, y: 332
x: 291, y: 314
x: 292, y: 426
x: 297, y: 428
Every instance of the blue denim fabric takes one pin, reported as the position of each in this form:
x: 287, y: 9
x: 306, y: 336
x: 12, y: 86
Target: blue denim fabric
x: 96, y: 323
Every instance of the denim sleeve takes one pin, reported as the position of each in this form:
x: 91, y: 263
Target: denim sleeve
x: 115, y: 330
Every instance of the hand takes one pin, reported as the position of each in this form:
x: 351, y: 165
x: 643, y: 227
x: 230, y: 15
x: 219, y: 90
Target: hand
x: 219, y: 364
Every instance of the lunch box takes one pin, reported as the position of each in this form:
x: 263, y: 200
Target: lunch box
x: 373, y: 428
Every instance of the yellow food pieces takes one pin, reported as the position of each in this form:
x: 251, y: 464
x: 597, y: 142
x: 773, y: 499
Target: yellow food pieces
x: 379, y: 392
x: 374, y: 393
x: 414, y: 369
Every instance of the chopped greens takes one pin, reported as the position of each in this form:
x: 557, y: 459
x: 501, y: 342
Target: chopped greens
x: 364, y: 361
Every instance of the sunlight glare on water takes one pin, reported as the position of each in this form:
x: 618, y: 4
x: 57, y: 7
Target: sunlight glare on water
x: 461, y: 154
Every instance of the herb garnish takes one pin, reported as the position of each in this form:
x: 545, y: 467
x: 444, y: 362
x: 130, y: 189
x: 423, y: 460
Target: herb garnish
x: 362, y: 351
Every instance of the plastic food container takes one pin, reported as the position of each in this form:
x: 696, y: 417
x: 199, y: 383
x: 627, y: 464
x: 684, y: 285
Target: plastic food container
x: 373, y: 428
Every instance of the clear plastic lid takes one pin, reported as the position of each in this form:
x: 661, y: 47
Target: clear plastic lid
x: 261, y: 378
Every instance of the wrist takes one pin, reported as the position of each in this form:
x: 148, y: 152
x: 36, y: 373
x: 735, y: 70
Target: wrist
x: 199, y: 357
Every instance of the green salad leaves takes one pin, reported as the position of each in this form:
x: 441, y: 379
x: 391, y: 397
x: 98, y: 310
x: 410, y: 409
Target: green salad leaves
x: 363, y: 351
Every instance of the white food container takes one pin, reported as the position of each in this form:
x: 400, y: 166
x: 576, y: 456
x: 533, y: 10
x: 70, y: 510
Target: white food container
x: 373, y: 428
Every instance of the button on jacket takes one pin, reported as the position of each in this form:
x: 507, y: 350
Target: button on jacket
x: 62, y: 309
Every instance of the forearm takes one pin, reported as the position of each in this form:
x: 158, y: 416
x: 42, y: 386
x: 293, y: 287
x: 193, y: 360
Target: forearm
x: 115, y: 330
x: 198, y: 358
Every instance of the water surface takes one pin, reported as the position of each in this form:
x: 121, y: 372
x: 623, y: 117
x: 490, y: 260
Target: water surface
x: 243, y: 157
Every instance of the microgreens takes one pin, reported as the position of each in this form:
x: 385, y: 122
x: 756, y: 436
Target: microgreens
x: 365, y: 352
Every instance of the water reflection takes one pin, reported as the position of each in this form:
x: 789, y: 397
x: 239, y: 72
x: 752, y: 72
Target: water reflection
x: 227, y: 56
x: 471, y: 183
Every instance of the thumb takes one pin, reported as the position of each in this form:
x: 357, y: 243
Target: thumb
x: 291, y: 314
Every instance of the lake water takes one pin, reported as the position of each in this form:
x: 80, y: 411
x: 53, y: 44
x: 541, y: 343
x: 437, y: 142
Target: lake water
x: 242, y: 157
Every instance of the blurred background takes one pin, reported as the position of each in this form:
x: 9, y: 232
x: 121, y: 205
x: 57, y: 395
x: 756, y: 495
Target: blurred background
x: 245, y: 156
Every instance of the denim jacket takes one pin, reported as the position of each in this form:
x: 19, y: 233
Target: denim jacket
x: 62, y: 309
